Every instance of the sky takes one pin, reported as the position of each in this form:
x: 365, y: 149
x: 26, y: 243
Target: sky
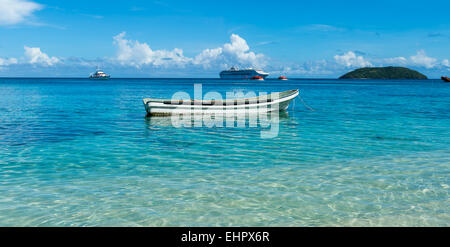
x: 304, y: 39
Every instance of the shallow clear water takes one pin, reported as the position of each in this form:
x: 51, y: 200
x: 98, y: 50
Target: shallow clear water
x: 75, y: 152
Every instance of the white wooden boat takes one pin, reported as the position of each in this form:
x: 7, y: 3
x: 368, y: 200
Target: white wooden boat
x: 264, y: 103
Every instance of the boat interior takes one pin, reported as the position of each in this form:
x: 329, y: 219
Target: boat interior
x: 254, y: 100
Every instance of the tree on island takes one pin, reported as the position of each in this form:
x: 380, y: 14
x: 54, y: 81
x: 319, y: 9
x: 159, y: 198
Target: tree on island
x: 384, y: 73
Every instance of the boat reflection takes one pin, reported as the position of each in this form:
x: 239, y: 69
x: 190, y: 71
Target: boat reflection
x: 217, y: 120
x: 267, y: 123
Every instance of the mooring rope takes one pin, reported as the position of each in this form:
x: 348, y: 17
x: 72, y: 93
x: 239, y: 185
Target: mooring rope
x: 306, y: 105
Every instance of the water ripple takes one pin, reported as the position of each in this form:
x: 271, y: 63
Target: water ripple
x: 88, y: 157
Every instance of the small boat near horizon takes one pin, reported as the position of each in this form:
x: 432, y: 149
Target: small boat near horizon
x: 257, y: 78
x: 445, y: 78
x: 99, y: 75
x: 283, y: 78
x: 260, y: 104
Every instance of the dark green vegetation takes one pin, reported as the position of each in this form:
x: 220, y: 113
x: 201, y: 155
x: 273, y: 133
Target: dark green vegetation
x: 384, y: 73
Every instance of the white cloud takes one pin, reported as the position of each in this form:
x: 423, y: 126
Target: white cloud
x: 207, y: 57
x: 7, y: 61
x: 34, y: 55
x: 310, y: 68
x: 134, y: 54
x: 421, y: 59
x: 237, y: 52
x: 321, y: 28
x: 16, y: 11
x: 137, y: 54
x: 350, y: 59
x: 395, y: 61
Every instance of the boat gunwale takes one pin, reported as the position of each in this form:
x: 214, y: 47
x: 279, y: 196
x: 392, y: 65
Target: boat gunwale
x: 262, y: 99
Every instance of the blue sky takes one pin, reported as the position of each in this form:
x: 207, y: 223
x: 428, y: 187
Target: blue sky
x: 200, y: 38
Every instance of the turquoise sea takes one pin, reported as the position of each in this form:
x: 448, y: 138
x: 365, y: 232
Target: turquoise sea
x: 75, y: 152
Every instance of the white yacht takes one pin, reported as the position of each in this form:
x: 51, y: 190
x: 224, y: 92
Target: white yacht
x: 236, y: 73
x: 99, y: 75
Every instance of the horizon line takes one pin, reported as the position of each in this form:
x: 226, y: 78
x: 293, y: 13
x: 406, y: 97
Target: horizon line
x: 209, y: 78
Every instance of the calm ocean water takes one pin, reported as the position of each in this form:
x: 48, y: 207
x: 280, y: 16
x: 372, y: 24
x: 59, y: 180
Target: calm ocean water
x: 75, y: 152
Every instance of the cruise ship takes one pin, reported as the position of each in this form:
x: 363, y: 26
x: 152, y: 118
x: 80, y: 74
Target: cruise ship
x: 236, y: 73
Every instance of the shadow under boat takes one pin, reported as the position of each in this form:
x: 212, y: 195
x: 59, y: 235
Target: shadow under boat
x: 218, y: 120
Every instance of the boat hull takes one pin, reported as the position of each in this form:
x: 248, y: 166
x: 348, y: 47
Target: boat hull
x: 198, y: 107
x: 99, y: 78
x: 241, y: 75
x: 446, y: 79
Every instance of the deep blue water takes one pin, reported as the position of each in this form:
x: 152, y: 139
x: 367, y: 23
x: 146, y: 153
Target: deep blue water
x: 75, y: 152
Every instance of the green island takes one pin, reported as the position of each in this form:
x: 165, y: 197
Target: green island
x: 384, y: 73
